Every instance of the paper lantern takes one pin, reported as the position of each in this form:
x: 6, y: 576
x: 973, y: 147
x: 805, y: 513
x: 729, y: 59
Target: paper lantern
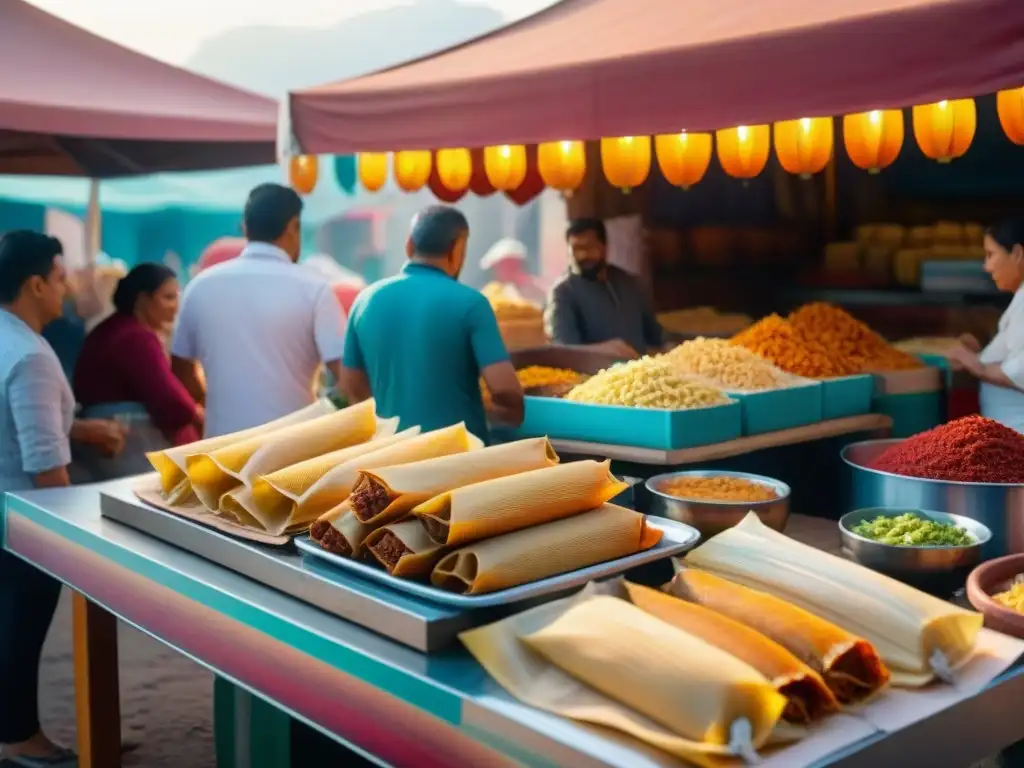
x: 743, y: 150
x: 683, y: 157
x: 944, y: 130
x: 1010, y: 105
x: 873, y: 139
x: 505, y: 166
x: 804, y: 146
x: 454, y: 168
x: 479, y: 183
x: 302, y: 173
x: 412, y: 169
x: 345, y: 173
x: 626, y: 160
x: 562, y: 164
x: 533, y: 183
x: 373, y: 170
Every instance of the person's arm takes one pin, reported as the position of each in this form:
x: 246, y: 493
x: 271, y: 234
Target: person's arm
x: 150, y: 381
x: 507, y: 402
x: 185, y: 348
x: 34, y: 393
x: 561, y: 321
x: 352, y: 379
x: 329, y: 331
x: 103, y: 434
x: 1009, y: 373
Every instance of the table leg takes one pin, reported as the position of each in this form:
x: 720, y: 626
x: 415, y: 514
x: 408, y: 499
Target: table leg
x: 97, y: 694
x: 249, y: 732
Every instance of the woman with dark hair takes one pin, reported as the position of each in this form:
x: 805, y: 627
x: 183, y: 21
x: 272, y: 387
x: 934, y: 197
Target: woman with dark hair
x: 999, y: 367
x: 124, y: 373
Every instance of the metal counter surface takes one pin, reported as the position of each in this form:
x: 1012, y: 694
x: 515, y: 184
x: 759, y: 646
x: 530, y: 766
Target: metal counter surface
x: 399, y: 705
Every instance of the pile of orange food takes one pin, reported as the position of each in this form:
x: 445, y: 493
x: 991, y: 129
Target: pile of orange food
x: 821, y: 341
x: 777, y: 341
x: 539, y: 377
x: 850, y: 339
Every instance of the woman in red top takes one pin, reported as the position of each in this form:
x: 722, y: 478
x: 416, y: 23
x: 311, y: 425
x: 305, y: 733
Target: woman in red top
x: 124, y: 373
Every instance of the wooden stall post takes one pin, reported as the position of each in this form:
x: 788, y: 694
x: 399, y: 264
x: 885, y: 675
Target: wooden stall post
x: 97, y: 693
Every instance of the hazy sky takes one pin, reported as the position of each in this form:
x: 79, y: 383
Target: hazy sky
x: 172, y: 29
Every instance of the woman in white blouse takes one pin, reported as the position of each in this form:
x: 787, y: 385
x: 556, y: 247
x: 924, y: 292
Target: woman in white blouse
x: 999, y: 367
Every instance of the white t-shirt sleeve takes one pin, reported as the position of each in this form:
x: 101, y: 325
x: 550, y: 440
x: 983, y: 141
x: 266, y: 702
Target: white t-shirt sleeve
x: 328, y: 325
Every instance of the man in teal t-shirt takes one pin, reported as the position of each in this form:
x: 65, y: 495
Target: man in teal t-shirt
x: 419, y: 342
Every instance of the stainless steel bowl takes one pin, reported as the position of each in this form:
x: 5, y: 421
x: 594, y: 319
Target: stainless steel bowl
x: 711, y: 517
x: 998, y: 506
x: 933, y: 569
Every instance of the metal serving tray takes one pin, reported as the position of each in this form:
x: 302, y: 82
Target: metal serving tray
x: 676, y: 539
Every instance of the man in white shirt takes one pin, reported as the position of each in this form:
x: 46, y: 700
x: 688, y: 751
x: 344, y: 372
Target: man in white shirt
x: 259, y: 325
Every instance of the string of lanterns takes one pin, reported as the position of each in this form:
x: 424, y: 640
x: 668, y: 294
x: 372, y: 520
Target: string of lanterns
x: 943, y: 130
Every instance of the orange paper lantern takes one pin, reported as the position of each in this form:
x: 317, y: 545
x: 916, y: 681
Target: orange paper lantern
x: 1010, y: 106
x: 454, y: 168
x: 944, y: 130
x: 562, y: 164
x: 373, y: 170
x: 302, y: 173
x: 505, y: 166
x: 626, y: 160
x: 873, y: 139
x: 804, y: 146
x: 532, y: 184
x: 743, y: 150
x: 683, y: 157
x: 412, y: 169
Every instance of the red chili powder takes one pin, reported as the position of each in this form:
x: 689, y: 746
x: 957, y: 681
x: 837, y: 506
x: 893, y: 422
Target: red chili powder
x: 969, y: 450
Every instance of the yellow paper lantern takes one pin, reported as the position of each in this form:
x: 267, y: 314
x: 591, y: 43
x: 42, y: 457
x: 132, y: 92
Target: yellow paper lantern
x: 626, y: 160
x: 804, y: 146
x: 944, y: 130
x: 743, y: 150
x: 505, y: 166
x: 373, y: 170
x: 873, y: 139
x: 454, y: 168
x: 683, y: 157
x: 1010, y: 106
x: 412, y: 169
x: 303, y: 171
x: 562, y: 164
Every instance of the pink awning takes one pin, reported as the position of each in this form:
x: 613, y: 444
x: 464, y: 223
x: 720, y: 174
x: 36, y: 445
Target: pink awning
x: 590, y: 68
x: 74, y: 103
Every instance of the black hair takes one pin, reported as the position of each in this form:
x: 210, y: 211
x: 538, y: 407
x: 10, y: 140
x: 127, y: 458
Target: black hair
x: 144, y: 280
x: 1008, y: 232
x: 436, y: 229
x: 25, y: 254
x: 582, y: 226
x: 268, y: 211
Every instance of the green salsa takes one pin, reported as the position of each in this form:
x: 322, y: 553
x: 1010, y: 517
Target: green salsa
x: 910, y: 530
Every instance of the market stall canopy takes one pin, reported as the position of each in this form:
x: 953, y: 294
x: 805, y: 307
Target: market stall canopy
x: 584, y: 69
x: 72, y: 103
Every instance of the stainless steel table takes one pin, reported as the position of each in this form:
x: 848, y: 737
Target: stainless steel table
x: 395, y: 704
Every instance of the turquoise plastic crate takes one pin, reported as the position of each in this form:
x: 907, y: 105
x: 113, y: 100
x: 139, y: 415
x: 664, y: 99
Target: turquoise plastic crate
x: 639, y: 427
x: 911, y: 413
x: 776, y: 409
x: 847, y: 396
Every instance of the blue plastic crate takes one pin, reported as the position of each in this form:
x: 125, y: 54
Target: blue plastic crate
x: 847, y: 396
x: 775, y: 409
x: 639, y: 427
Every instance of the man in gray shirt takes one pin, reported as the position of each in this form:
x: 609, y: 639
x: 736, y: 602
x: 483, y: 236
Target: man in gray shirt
x: 596, y: 303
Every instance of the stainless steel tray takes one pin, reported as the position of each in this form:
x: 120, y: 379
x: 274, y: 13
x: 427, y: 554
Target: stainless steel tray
x: 676, y: 539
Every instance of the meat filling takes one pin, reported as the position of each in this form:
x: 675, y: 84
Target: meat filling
x: 318, y: 529
x: 369, y: 500
x: 334, y: 542
x: 436, y: 529
x: 389, y: 549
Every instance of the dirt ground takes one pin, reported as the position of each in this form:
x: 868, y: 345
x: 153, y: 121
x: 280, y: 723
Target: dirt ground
x: 166, y: 699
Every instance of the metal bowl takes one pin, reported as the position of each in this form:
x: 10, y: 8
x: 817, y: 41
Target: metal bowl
x: 933, y: 569
x: 711, y: 517
x: 998, y: 506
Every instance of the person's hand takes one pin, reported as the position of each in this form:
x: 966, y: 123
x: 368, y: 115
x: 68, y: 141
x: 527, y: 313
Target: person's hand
x: 619, y: 348
x: 102, y: 434
x: 200, y: 415
x: 961, y: 358
x: 970, y: 343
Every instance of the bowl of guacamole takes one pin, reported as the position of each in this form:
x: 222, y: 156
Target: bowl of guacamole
x: 931, y: 550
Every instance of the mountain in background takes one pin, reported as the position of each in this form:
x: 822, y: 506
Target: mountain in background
x: 274, y: 60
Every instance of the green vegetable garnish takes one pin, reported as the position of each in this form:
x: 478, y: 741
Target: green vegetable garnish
x: 910, y: 530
